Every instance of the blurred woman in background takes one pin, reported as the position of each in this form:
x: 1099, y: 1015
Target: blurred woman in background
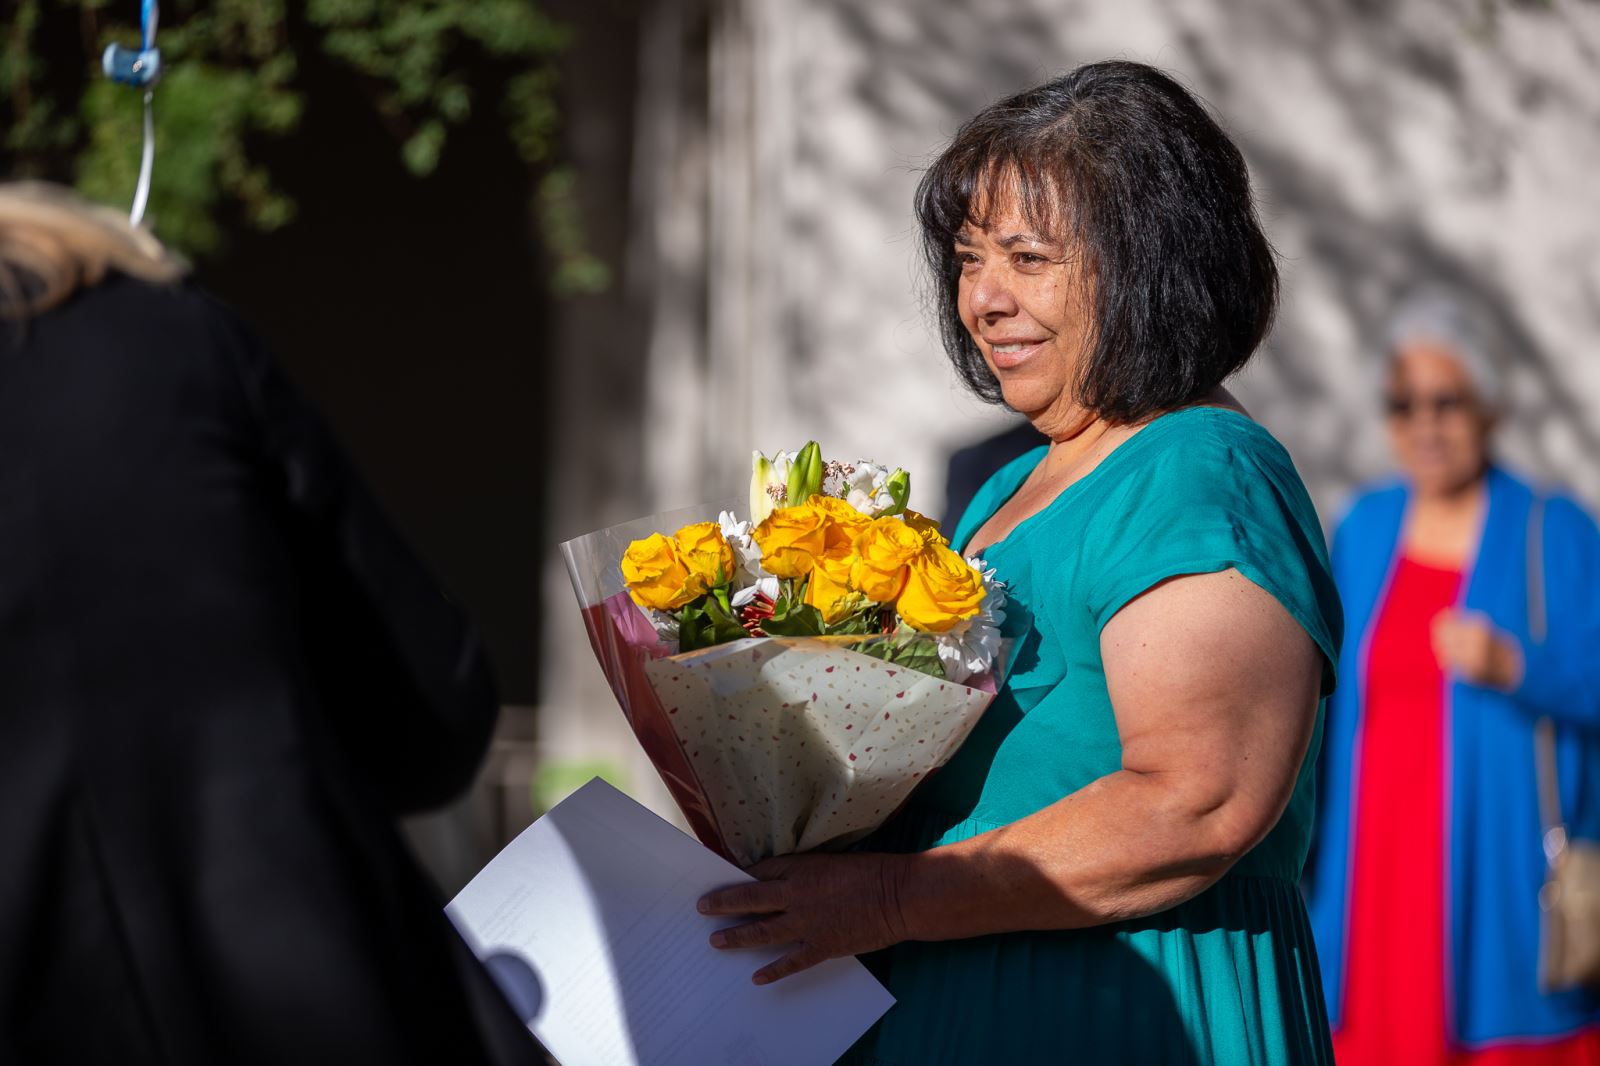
x: 1473, y: 606
x: 221, y: 677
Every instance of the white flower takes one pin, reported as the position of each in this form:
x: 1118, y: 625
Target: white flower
x: 766, y: 586
x: 867, y: 475
x: 866, y: 489
x: 861, y: 501
x: 768, y: 481
x: 740, y: 538
x: 972, y: 646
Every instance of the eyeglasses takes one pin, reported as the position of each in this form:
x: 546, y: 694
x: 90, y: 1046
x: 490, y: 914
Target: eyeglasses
x: 1403, y: 406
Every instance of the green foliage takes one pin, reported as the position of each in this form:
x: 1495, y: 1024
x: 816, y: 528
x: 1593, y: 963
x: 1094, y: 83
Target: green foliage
x: 230, y: 84
x: 205, y: 114
x: 794, y: 619
x: 913, y: 651
x: 708, y: 621
x: 712, y: 620
x: 576, y: 271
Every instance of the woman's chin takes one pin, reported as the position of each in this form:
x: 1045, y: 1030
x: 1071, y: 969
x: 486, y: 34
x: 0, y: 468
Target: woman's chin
x: 1028, y: 398
x: 1432, y: 480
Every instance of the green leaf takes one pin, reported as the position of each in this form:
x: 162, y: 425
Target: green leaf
x: 801, y: 620
x: 917, y: 653
x: 694, y: 628
x: 577, y: 272
x: 725, y: 626
x: 856, y: 625
x: 454, y: 101
x: 421, y: 151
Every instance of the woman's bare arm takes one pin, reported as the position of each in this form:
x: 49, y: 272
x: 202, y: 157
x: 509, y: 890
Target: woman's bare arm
x: 1215, y: 691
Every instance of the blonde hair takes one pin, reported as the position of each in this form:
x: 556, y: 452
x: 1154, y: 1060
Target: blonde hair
x: 54, y: 242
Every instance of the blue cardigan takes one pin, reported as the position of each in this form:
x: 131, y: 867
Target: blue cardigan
x: 1495, y: 862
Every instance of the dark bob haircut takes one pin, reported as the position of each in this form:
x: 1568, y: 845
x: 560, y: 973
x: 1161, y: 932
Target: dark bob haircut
x: 1129, y: 170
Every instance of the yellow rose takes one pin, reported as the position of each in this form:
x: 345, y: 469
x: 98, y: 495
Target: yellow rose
x: 657, y: 576
x: 829, y: 589
x: 924, y: 525
x: 838, y: 511
x: 941, y: 590
x: 884, y: 549
x: 706, y: 553
x: 844, y: 524
x: 791, y: 539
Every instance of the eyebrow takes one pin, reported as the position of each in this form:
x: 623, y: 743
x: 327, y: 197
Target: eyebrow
x: 965, y: 238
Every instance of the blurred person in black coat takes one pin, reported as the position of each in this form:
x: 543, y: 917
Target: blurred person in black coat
x: 221, y: 677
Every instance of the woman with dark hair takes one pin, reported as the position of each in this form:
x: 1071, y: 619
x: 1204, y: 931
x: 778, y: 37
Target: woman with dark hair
x: 222, y: 677
x: 1107, y: 870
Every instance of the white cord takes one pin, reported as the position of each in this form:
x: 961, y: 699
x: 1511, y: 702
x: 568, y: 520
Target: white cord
x: 147, y: 162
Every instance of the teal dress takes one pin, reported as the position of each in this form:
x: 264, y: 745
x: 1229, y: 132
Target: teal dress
x: 1231, y: 976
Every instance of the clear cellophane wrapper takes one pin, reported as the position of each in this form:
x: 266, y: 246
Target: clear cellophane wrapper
x: 769, y: 745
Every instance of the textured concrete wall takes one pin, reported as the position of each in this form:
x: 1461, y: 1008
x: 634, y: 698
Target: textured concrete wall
x: 772, y: 258
x: 1391, y: 143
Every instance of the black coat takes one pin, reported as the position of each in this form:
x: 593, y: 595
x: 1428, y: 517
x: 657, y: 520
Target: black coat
x: 221, y: 676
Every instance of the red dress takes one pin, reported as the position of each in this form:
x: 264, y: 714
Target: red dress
x: 1395, y: 998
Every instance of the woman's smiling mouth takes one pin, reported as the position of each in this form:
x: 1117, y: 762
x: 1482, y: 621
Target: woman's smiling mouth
x: 1013, y: 354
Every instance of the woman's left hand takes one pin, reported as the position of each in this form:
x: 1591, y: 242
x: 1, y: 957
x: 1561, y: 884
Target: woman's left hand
x: 1468, y: 645
x: 827, y: 906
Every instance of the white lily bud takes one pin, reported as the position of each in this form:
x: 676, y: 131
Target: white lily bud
x: 769, y: 479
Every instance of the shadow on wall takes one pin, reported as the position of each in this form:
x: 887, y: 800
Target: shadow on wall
x: 971, y: 466
x: 1360, y: 241
x: 1366, y: 260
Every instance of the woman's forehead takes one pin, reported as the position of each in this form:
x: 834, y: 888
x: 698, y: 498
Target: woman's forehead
x: 1426, y: 360
x: 1006, y: 225
x: 1005, y: 200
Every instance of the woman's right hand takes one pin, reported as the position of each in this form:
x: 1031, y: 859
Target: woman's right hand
x: 825, y: 906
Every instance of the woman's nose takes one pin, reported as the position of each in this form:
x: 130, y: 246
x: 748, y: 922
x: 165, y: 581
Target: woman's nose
x: 990, y: 295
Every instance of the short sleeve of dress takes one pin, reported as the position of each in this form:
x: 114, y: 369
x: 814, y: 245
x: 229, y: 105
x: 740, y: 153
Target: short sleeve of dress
x: 1210, y: 494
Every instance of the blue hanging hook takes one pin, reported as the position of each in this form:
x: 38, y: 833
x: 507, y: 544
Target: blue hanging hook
x: 140, y: 69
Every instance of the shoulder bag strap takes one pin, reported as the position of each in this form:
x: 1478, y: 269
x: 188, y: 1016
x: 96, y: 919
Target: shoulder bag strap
x: 1544, y: 731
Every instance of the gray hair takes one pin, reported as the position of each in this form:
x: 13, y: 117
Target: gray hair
x: 1450, y: 319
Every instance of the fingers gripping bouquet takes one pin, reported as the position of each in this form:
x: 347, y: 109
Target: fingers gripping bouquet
x: 794, y: 675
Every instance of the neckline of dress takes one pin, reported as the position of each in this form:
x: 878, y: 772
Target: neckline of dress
x: 1111, y: 457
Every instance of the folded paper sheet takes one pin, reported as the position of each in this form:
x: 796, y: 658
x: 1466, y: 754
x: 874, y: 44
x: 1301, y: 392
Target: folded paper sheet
x: 587, y: 921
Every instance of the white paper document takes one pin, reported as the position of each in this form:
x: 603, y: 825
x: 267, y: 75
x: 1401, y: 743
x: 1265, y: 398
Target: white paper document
x: 588, y: 923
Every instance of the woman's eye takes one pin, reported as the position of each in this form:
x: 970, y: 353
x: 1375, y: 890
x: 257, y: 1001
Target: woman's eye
x: 966, y: 260
x: 1028, y: 259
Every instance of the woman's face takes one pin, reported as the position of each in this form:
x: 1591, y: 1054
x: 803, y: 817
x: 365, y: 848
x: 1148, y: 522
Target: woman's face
x: 1438, y: 426
x: 1021, y: 299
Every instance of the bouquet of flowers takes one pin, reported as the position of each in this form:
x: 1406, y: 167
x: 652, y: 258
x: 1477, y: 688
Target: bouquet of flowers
x: 795, y: 674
